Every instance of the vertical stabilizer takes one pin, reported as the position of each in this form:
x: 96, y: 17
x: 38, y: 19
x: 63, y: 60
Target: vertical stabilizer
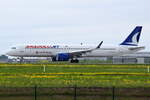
x: 133, y: 38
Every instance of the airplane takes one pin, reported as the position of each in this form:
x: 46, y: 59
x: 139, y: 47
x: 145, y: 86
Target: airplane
x: 72, y: 53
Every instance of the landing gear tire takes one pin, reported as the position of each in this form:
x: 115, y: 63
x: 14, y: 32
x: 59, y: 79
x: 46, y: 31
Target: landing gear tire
x: 53, y: 59
x: 21, y: 60
x: 74, y: 61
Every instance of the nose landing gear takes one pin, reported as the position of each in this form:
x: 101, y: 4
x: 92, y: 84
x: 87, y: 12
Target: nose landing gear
x: 20, y: 60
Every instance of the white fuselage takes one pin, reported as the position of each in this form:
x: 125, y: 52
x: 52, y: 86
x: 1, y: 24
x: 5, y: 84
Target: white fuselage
x: 51, y: 51
x: 64, y: 53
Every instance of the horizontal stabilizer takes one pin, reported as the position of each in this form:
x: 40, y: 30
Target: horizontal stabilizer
x: 137, y: 48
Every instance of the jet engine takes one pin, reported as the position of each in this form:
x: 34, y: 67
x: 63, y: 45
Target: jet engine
x: 63, y: 57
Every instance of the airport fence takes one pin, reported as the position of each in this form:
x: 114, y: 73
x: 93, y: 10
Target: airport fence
x: 73, y: 93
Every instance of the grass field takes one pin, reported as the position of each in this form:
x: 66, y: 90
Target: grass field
x: 64, y: 75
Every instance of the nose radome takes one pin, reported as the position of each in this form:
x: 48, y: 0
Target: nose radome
x: 9, y: 53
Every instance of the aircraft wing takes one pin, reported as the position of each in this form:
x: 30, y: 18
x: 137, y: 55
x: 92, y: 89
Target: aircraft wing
x: 80, y: 52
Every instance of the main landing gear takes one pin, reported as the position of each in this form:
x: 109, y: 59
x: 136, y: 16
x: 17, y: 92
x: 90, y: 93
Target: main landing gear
x: 54, y: 59
x: 74, y: 61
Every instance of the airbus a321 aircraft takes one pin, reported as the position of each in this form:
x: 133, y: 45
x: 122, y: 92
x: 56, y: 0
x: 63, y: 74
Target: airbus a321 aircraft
x: 72, y: 53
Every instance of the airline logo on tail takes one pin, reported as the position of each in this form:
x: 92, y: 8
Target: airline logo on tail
x: 133, y: 38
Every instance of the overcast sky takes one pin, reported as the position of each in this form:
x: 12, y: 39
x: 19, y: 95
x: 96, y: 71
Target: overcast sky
x: 72, y: 21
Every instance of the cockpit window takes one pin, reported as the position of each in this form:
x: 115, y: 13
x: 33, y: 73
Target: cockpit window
x: 13, y: 48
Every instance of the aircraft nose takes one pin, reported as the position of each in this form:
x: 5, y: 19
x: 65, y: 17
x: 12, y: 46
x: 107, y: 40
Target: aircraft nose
x: 9, y: 53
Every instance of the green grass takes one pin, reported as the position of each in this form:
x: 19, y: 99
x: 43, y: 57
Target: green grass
x: 64, y: 75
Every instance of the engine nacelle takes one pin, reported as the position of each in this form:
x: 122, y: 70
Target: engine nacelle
x: 63, y: 57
